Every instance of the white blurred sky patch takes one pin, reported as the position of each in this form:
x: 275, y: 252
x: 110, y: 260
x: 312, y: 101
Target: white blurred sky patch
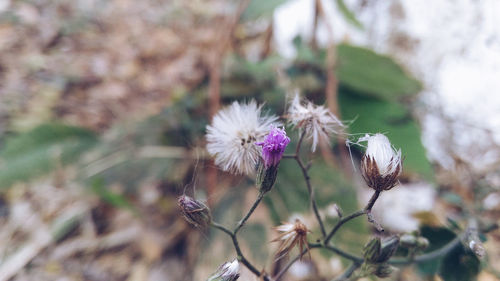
x: 453, y: 47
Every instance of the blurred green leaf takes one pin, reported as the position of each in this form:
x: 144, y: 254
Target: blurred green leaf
x: 371, y: 115
x: 438, y: 237
x: 373, y: 74
x: 261, y: 8
x: 112, y: 198
x: 42, y: 149
x: 460, y: 265
x: 348, y: 15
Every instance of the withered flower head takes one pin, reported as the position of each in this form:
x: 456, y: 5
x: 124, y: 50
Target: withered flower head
x: 194, y: 211
x: 317, y: 121
x: 292, y: 234
x: 382, y: 164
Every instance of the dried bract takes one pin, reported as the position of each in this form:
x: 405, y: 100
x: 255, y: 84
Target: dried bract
x: 292, y: 234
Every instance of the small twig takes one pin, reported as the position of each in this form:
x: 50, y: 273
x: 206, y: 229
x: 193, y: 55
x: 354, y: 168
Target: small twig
x: 308, y: 184
x: 354, y: 215
x: 341, y: 222
x: 374, y: 198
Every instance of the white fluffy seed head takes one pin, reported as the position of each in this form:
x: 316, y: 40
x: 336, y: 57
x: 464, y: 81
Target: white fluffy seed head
x: 232, y: 135
x: 230, y: 269
x: 318, y: 122
x: 379, y: 149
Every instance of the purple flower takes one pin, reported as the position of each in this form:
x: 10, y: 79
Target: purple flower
x: 273, y: 146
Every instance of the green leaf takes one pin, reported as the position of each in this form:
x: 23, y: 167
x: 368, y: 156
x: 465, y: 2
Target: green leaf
x: 460, y: 265
x: 348, y: 15
x: 40, y: 150
x: 371, y: 115
x: 372, y: 74
x: 438, y: 237
x: 261, y: 8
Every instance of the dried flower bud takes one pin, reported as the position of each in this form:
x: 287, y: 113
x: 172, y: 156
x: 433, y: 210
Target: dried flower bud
x: 195, y: 212
x: 377, y: 251
x: 228, y: 271
x: 382, y: 164
x: 292, y: 234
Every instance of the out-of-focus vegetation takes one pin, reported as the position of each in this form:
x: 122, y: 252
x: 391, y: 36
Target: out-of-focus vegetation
x: 105, y: 103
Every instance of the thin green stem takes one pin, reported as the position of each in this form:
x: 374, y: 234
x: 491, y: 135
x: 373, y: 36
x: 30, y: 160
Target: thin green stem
x: 354, y: 215
x: 343, y: 253
x: 222, y: 228
x: 431, y: 255
x: 341, y: 222
x: 245, y: 218
x: 310, y: 190
x: 374, y: 198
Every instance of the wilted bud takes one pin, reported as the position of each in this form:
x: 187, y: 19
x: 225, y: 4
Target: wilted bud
x: 195, y: 212
x: 383, y: 271
x: 377, y: 251
x: 382, y: 164
x: 228, y: 271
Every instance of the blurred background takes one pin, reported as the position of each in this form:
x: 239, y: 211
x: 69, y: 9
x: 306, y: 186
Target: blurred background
x: 103, y: 108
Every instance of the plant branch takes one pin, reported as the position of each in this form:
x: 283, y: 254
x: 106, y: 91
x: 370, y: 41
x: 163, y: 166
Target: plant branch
x: 354, y: 215
x: 341, y: 222
x: 255, y: 204
x: 310, y: 190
